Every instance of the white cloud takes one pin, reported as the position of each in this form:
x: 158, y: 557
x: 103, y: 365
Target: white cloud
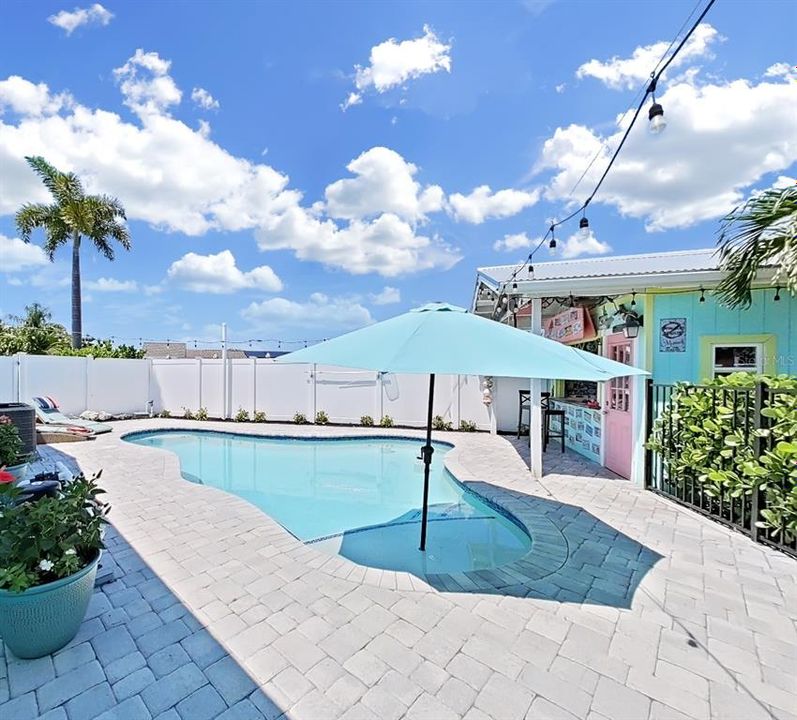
x: 204, y: 99
x: 720, y: 140
x: 71, y: 21
x: 393, y: 63
x: 320, y: 311
x: 17, y: 255
x: 25, y: 98
x: 515, y: 242
x: 384, y: 183
x: 218, y: 274
x: 387, y: 245
x: 175, y: 178
x: 145, y: 82
x: 577, y: 245
x: 629, y: 73
x: 778, y: 70
x: 482, y: 204
x: 388, y: 296
x: 560, y: 88
x: 111, y: 285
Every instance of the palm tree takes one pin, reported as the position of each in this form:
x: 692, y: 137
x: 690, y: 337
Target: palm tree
x: 761, y: 232
x: 72, y: 216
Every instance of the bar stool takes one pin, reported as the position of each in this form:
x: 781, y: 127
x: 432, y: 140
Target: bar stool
x: 547, y: 434
x: 523, y: 404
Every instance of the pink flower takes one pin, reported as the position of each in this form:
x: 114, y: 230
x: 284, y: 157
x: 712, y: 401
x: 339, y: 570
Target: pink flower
x: 6, y: 477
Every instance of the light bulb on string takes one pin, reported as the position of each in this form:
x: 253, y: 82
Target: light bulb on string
x: 777, y: 293
x: 702, y: 295
x: 633, y: 298
x: 552, y: 243
x: 583, y: 227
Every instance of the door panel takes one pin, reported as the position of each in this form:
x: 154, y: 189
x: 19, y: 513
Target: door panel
x: 618, y: 409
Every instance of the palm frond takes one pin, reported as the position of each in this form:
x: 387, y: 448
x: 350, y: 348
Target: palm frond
x: 64, y: 187
x: 757, y: 234
x: 32, y: 216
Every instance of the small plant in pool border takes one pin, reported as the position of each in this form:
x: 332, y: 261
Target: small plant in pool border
x: 467, y: 426
x: 367, y: 421
x: 201, y: 414
x: 242, y: 415
x: 259, y: 417
x: 165, y: 413
x: 321, y: 418
x: 300, y: 418
x: 440, y: 423
x: 187, y: 414
x: 386, y: 421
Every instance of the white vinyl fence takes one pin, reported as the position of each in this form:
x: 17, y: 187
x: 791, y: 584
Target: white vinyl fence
x: 280, y: 391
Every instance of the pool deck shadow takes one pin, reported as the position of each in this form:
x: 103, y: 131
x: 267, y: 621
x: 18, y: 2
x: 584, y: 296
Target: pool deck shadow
x: 140, y: 652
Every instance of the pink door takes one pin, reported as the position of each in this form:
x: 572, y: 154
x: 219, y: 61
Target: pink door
x: 618, y: 410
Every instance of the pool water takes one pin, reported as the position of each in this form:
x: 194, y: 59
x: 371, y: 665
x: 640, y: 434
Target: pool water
x: 359, y: 497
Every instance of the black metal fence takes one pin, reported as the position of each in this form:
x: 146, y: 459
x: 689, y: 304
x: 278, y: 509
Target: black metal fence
x: 742, y: 409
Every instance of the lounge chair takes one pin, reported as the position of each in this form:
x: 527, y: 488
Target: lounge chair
x: 47, y: 413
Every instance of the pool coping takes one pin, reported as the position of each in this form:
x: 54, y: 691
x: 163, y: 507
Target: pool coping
x: 549, y: 548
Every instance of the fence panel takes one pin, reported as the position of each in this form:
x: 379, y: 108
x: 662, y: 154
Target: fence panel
x: 346, y: 395
x: 283, y: 390
x: 117, y: 385
x: 8, y: 379
x: 741, y: 408
x: 211, y: 388
x: 62, y: 378
x: 175, y: 385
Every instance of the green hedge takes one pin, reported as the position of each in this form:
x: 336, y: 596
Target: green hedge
x: 707, y: 435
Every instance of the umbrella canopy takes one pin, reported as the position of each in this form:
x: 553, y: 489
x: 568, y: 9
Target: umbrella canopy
x: 446, y: 339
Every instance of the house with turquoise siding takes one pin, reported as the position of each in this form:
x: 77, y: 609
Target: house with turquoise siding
x: 656, y: 311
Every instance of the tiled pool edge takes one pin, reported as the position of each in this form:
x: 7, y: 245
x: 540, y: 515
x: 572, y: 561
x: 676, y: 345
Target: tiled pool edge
x: 549, y: 549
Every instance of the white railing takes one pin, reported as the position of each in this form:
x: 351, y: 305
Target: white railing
x: 278, y: 390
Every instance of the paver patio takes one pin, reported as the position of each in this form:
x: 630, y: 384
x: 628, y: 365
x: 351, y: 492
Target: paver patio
x: 628, y: 607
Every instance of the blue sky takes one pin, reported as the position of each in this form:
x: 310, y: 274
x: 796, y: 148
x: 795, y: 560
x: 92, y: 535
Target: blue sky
x: 256, y: 196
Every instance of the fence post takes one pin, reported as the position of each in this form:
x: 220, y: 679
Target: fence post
x: 648, y: 429
x: 758, y: 423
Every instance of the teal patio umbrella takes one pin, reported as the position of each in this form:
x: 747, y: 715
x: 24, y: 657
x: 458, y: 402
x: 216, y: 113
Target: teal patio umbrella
x: 445, y: 339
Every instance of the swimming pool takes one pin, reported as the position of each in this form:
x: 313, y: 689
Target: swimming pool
x: 355, y: 497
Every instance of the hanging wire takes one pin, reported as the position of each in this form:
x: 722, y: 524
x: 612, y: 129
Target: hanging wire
x: 650, y: 89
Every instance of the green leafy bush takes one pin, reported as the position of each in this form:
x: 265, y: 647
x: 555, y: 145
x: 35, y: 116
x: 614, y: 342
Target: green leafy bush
x: 386, y: 421
x: 51, y: 538
x: 202, y: 414
x: 242, y: 415
x: 165, y: 414
x: 10, y: 443
x: 187, y: 414
x: 702, y: 437
x: 440, y: 423
x: 367, y: 421
x: 467, y: 426
x: 260, y: 416
x: 300, y: 418
x: 321, y: 418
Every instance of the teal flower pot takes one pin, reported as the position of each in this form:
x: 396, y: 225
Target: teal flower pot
x: 42, y: 619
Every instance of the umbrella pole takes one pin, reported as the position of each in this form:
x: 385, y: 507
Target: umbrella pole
x: 426, y: 454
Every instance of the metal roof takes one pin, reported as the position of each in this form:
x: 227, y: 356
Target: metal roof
x: 613, y: 266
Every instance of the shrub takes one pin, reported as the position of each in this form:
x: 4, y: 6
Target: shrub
x: 367, y: 421
x: 10, y: 442
x: 187, y: 414
x: 701, y: 438
x: 259, y: 417
x: 51, y: 538
x: 165, y: 414
x: 300, y: 419
x: 467, y: 426
x: 386, y: 421
x: 439, y: 423
x: 321, y: 418
x: 242, y: 415
x: 202, y: 414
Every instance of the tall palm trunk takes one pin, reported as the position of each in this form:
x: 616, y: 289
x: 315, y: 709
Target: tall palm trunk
x: 77, y: 320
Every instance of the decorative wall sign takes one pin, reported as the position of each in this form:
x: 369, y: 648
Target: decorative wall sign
x: 672, y: 335
x: 573, y: 325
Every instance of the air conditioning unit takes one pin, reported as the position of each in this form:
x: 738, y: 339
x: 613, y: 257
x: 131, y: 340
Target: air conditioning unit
x: 24, y: 417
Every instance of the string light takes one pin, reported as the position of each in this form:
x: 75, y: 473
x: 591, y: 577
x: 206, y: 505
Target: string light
x: 633, y: 298
x: 552, y: 244
x: 702, y: 295
x: 583, y: 227
x: 657, y: 124
x: 777, y: 293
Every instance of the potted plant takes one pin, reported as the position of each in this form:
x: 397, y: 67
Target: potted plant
x: 49, y: 551
x: 10, y: 447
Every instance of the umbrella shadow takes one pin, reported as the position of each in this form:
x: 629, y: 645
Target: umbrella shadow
x: 574, y: 557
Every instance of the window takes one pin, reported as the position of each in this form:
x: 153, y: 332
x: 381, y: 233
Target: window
x: 746, y: 357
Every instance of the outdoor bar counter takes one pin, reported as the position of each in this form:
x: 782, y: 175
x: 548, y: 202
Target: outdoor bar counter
x: 583, y: 426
